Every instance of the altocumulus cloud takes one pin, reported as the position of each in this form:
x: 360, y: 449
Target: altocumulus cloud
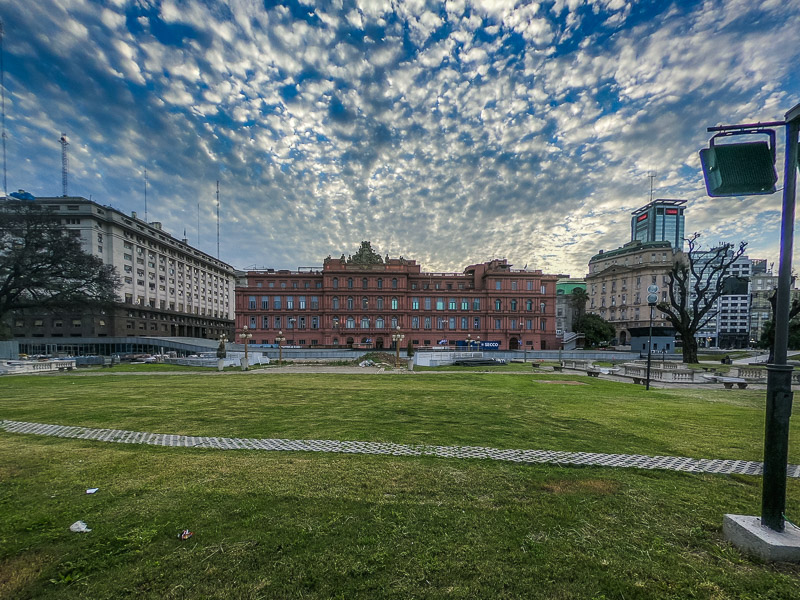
x: 448, y: 132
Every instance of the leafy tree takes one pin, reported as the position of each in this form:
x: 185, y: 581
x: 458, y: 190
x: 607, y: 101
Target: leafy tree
x: 578, y: 299
x: 42, y: 266
x: 767, y: 340
x: 694, y: 287
x: 596, y: 330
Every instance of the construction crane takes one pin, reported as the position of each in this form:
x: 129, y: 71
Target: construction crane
x: 64, y: 164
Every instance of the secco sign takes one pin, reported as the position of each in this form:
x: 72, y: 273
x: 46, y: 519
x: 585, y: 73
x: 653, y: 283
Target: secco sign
x: 490, y: 345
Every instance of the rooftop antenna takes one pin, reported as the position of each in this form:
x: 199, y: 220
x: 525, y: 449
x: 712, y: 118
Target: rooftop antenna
x: 198, y: 223
x: 217, y: 219
x: 64, y: 164
x: 3, y: 95
x: 651, y: 176
x: 145, y: 194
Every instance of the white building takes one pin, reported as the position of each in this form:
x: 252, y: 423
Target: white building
x: 169, y: 288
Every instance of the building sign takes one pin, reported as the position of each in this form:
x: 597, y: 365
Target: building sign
x: 490, y: 345
x: 672, y: 211
x: 641, y: 218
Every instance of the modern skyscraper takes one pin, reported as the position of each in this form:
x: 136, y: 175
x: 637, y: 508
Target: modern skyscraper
x: 659, y: 221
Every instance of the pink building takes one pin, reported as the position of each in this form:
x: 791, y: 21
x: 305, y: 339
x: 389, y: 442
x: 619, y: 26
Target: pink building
x: 362, y: 300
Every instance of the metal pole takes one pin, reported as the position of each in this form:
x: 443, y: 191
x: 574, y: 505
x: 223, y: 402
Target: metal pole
x: 649, y: 348
x: 779, y: 374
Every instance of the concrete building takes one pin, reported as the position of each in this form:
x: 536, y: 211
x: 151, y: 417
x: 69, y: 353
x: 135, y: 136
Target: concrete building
x: 565, y: 309
x: 169, y: 288
x: 729, y: 325
x: 660, y: 221
x: 617, y: 285
x: 362, y: 300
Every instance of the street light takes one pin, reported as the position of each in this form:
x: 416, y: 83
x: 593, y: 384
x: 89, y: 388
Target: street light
x: 470, y: 341
x: 245, y: 335
x: 279, y: 340
x: 652, y: 299
x: 737, y: 178
x: 397, y: 338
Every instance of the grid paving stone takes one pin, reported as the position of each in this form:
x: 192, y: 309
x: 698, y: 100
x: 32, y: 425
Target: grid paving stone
x: 670, y: 463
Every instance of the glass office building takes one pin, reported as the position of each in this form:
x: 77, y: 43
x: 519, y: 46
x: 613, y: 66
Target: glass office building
x: 659, y: 221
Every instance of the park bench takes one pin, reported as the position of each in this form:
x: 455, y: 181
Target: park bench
x: 593, y: 372
x: 728, y: 382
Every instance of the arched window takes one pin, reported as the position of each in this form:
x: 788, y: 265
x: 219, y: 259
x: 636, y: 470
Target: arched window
x: 542, y: 307
x: 513, y: 305
x: 350, y: 323
x: 364, y: 322
x: 394, y: 322
x: 394, y: 283
x: 379, y: 323
x: 335, y: 341
x: 394, y: 303
x: 497, y: 304
x: 529, y: 305
x: 349, y: 303
x: 336, y: 283
x: 379, y: 303
x: 335, y: 303
x: 364, y: 283
x: 364, y: 303
x: 349, y: 283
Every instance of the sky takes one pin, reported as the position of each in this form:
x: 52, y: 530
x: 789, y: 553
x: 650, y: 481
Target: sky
x: 446, y: 132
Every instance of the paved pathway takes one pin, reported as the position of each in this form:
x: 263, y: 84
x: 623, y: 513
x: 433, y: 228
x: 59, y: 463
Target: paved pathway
x: 670, y: 463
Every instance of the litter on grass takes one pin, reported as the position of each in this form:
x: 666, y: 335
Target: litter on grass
x: 79, y: 527
x: 185, y: 534
x: 92, y: 490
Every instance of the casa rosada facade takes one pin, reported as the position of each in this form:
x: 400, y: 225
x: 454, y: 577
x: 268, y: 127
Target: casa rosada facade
x: 358, y: 303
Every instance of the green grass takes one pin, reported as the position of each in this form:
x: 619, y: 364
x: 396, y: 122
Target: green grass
x: 303, y: 525
x: 508, y: 411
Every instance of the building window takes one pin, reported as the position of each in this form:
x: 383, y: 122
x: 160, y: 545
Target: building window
x: 476, y: 323
x: 350, y: 323
x: 394, y: 283
x: 395, y: 323
x: 542, y: 307
x: 264, y: 322
x: 414, y: 322
x: 451, y: 304
x: 497, y: 323
x: 251, y: 303
x: 440, y: 322
x: 314, y: 302
x: 514, y: 305
x: 350, y: 303
x: 497, y: 284
x: 476, y: 304
x: 379, y: 303
x: 543, y: 289
x: 543, y: 324
x: 394, y: 304
x: 335, y: 302
x: 452, y: 323
x: 302, y: 302
x: 497, y: 305
x: 364, y: 303
x: 314, y: 324
x: 335, y: 283
x: 349, y: 283
x: 513, y: 323
x: 513, y: 286
x: 276, y: 302
x: 379, y: 322
x: 427, y: 322
x: 380, y: 283
x: 427, y: 303
x: 264, y: 302
x: 529, y: 285
x: 252, y: 322
x: 414, y: 303
x: 289, y: 302
x: 277, y: 322
x: 364, y: 283
x: 464, y: 304
x: 364, y: 322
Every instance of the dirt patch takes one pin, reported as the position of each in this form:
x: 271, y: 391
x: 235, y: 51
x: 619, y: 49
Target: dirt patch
x: 590, y: 486
x: 562, y: 382
x: 17, y: 572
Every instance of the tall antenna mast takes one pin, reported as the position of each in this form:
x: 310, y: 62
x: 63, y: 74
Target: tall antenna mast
x: 198, y: 224
x: 651, y: 176
x: 3, y: 93
x: 217, y: 219
x: 145, y: 195
x: 64, y: 163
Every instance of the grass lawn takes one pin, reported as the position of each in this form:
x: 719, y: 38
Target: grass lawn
x: 301, y: 525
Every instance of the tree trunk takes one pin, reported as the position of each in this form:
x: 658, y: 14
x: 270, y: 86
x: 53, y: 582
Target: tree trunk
x: 689, y: 349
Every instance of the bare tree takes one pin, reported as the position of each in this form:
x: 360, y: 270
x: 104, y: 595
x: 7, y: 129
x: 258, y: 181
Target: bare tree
x: 694, y: 288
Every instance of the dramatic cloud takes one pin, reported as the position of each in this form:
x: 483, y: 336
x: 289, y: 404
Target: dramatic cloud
x: 450, y: 132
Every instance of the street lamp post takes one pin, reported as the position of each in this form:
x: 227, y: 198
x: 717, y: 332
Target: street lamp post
x: 397, y: 338
x: 740, y: 178
x: 245, y: 335
x: 279, y: 340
